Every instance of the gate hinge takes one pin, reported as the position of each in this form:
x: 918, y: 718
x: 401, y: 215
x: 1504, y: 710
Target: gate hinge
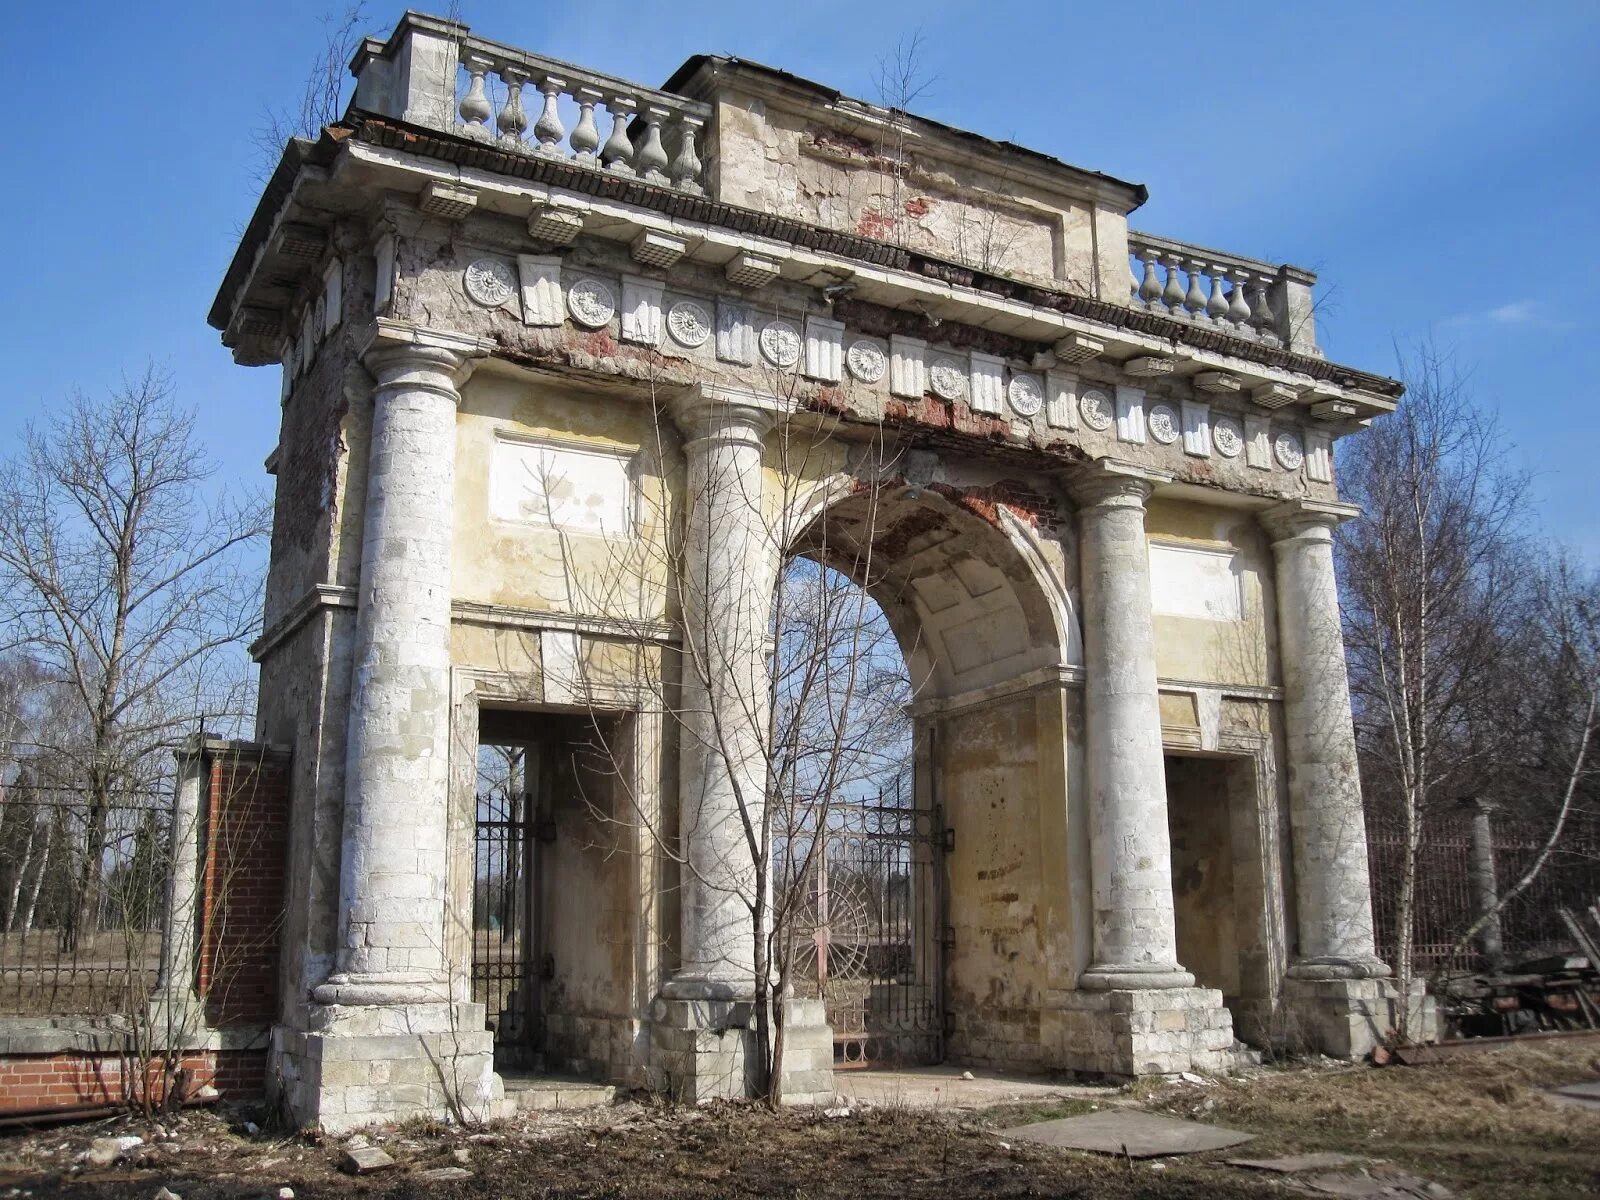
x: 947, y: 938
x: 547, y: 967
x: 545, y: 829
x: 948, y: 842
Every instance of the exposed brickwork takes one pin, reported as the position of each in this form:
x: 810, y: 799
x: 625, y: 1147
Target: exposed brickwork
x: 36, y: 1081
x: 243, y: 843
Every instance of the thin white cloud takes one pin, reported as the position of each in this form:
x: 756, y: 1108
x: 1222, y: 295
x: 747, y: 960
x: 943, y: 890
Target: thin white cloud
x: 1526, y: 314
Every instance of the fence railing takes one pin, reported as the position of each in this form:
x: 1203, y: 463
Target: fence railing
x: 82, y: 896
x: 1445, y: 906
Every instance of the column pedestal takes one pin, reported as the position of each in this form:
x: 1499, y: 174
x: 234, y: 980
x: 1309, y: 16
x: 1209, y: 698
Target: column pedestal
x: 707, y: 1049
x: 1123, y: 1034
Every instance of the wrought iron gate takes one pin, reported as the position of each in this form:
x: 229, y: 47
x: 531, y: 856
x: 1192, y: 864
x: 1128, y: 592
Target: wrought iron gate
x: 874, y: 950
x: 504, y: 878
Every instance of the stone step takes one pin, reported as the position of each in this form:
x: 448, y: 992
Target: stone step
x: 556, y: 1093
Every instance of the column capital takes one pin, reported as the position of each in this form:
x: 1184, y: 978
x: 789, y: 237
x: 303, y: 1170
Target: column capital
x: 1113, y: 483
x: 434, y: 360
x: 1301, y: 518
x: 705, y: 411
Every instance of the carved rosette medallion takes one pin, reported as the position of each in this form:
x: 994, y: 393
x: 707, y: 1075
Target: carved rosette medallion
x: 780, y: 343
x: 1287, y: 449
x: 489, y: 282
x: 948, y: 379
x: 1026, y: 395
x: 1098, y: 411
x: 866, y: 361
x: 1227, y: 435
x: 591, y: 303
x: 1163, y: 424
x: 689, y: 323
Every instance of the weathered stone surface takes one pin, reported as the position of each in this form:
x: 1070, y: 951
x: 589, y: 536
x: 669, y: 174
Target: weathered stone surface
x: 364, y: 1160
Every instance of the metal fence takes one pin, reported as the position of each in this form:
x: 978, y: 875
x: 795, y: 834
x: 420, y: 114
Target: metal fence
x: 1445, y: 909
x: 82, y: 894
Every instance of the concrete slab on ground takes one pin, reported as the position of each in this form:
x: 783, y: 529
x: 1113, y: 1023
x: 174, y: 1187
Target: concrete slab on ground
x: 946, y: 1087
x: 1122, y: 1131
x: 1577, y: 1095
x: 1291, y: 1163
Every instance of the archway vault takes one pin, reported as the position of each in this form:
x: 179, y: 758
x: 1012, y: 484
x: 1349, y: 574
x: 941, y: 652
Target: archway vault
x: 976, y: 594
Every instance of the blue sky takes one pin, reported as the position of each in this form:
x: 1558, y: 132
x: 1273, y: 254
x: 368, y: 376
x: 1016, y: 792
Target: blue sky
x: 1435, y: 162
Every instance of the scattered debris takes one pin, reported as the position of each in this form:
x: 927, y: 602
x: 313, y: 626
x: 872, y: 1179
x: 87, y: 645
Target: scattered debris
x: 968, y: 1075
x: 107, y: 1151
x: 444, y: 1174
x: 1197, y: 1080
x: 363, y: 1160
x: 1376, y: 1183
x: 842, y: 1111
x: 167, y: 1194
x: 286, y: 1193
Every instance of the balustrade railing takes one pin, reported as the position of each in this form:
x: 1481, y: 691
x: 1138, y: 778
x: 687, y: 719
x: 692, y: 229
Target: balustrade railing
x: 653, y: 136
x: 1191, y: 283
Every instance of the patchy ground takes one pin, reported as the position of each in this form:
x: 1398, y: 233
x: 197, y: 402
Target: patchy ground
x: 1475, y: 1126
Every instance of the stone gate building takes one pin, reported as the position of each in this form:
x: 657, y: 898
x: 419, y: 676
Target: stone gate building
x: 549, y: 341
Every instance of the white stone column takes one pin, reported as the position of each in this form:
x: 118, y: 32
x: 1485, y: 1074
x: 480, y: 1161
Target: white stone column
x: 728, y: 572
x: 1328, y: 826
x: 1135, y: 943
x: 175, y: 1011
x: 394, y: 865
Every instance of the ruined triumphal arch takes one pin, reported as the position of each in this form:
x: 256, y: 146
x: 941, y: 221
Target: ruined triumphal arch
x: 568, y: 369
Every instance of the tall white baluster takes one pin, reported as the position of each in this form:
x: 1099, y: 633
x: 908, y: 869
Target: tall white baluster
x: 685, y: 168
x: 1238, y: 308
x: 585, y: 138
x: 1217, y: 305
x: 1150, y: 285
x: 652, y: 159
x: 617, y: 154
x: 475, y: 107
x: 1195, y: 299
x: 1172, y: 294
x: 513, y: 120
x: 548, y: 128
x: 1261, y: 312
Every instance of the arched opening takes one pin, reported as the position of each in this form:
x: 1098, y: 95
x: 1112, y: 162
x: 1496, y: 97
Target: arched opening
x: 936, y: 894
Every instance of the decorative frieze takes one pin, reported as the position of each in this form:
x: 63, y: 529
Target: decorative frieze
x: 1227, y: 435
x: 1288, y: 450
x: 591, y: 302
x: 824, y: 349
x: 947, y: 375
x: 1257, y: 446
x: 1163, y: 423
x: 1196, y: 429
x: 1025, y: 394
x: 1099, y: 413
x: 489, y: 282
x: 1319, y: 457
x: 780, y: 343
x: 1130, y: 414
x: 689, y: 323
x: 1061, y: 406
x: 641, y: 310
x: 988, y: 383
x: 736, y: 334
x: 908, y: 367
x: 540, y: 276
x: 866, y: 360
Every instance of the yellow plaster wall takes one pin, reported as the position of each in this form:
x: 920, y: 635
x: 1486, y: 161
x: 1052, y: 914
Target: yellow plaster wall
x: 1236, y: 652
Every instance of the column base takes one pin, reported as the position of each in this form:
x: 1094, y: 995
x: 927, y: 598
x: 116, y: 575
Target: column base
x: 1125, y: 1033
x: 1134, y: 977
x: 706, y: 1048
x: 1339, y: 968
x: 366, y: 1064
x: 1347, y: 1018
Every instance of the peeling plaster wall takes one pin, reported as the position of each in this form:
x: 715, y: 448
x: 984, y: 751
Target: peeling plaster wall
x: 1003, y: 785
x: 831, y: 168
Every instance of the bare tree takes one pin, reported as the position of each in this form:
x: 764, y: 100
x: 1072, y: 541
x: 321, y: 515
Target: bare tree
x: 128, y: 575
x: 322, y: 93
x: 1434, y: 579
